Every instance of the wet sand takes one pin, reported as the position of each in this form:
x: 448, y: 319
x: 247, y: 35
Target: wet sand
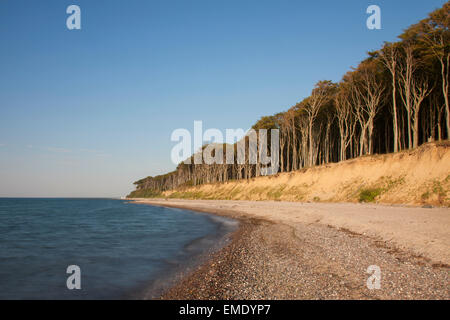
x: 321, y: 251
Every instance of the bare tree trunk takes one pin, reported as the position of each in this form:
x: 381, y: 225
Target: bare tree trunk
x: 294, y: 145
x: 445, y: 92
x: 420, y: 90
x: 406, y: 81
x: 389, y: 56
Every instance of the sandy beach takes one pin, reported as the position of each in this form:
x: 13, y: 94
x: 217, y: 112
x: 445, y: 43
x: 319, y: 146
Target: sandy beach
x: 287, y: 250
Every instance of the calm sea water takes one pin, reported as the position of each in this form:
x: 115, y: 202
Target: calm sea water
x: 120, y: 247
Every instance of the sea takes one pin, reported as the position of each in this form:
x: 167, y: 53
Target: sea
x: 72, y: 249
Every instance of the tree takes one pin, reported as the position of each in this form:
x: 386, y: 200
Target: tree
x: 407, y: 69
x: 345, y: 118
x: 436, y: 35
x: 367, y: 93
x: 319, y: 97
x: 389, y: 57
x: 420, y: 90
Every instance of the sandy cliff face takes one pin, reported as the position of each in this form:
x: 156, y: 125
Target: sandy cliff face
x: 417, y: 177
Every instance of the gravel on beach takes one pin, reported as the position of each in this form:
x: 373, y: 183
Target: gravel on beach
x: 267, y: 260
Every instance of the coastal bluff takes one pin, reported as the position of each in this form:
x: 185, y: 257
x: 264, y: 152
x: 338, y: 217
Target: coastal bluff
x: 419, y: 177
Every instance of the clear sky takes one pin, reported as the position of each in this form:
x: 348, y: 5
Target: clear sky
x: 87, y: 112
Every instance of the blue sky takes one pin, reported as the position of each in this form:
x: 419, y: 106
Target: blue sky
x: 87, y: 112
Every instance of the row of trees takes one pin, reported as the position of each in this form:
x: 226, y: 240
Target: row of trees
x: 396, y: 99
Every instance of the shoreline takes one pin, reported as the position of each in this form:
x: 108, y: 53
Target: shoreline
x: 276, y: 258
x: 193, y: 254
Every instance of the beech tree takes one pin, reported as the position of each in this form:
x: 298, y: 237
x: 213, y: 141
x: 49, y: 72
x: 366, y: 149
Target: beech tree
x: 389, y: 57
x: 319, y: 97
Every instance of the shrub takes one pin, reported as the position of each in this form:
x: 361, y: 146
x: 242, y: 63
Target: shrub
x: 369, y: 195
